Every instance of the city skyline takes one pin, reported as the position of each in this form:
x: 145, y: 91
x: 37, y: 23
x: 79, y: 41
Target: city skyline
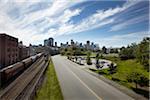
x: 108, y: 23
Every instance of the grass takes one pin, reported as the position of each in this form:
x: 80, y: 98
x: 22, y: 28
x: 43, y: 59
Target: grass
x: 50, y: 89
x: 123, y: 69
x: 93, y: 54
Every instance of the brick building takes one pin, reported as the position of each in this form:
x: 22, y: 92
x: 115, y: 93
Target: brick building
x: 8, y: 50
x: 23, y: 51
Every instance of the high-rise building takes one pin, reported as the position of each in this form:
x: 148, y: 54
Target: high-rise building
x: 88, y: 45
x: 88, y: 42
x: 67, y: 43
x: 72, y: 42
x: 8, y: 50
x: 55, y: 44
x: 81, y: 45
x: 46, y: 42
x: 49, y: 42
x: 61, y: 44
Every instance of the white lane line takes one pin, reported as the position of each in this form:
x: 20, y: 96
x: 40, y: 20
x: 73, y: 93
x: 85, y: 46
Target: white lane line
x: 97, y: 78
x: 84, y: 84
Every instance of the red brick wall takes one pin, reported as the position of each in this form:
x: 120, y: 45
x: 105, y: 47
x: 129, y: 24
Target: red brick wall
x: 8, y: 50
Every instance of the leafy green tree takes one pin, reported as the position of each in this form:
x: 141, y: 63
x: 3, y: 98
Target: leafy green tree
x: 78, y: 52
x: 101, y: 56
x: 129, y: 52
x: 144, y: 81
x: 112, y: 68
x: 88, y: 60
x: 113, y: 50
x: 104, y: 50
x: 142, y: 53
x: 97, y: 60
x: 134, y: 77
x: 138, y: 78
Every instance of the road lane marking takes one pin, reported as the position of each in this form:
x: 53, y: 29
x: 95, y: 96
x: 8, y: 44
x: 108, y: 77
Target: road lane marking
x: 88, y: 72
x: 84, y: 84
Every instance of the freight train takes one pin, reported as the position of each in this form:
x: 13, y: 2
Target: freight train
x: 7, y: 73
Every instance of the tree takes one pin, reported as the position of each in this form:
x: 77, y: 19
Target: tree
x: 144, y: 81
x: 134, y: 77
x: 88, y: 60
x: 78, y: 52
x: 142, y: 53
x: 101, y: 56
x: 114, y: 50
x: 104, y: 50
x: 97, y: 60
x: 129, y: 52
x: 112, y: 68
x: 138, y: 78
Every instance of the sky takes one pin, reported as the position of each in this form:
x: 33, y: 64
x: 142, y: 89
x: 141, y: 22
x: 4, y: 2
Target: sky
x: 110, y: 23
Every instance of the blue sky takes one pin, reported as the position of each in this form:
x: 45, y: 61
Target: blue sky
x: 113, y: 23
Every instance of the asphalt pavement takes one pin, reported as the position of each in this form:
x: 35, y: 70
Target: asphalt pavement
x: 77, y: 84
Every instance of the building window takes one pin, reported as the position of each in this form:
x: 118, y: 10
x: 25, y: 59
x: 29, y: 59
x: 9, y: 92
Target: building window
x: 8, y: 50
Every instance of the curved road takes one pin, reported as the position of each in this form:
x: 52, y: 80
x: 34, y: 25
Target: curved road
x: 77, y: 84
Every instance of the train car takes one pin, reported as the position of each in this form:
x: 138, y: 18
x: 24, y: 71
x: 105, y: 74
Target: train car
x: 16, y: 69
x: 34, y: 58
x: 39, y: 55
x: 27, y: 62
x: 11, y: 71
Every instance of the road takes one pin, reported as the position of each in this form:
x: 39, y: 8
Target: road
x: 77, y: 84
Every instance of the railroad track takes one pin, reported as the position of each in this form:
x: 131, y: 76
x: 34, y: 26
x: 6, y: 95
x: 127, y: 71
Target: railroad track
x: 18, y: 88
x: 29, y: 92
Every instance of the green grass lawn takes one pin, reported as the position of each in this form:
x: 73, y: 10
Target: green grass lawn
x: 50, y: 89
x: 123, y: 69
x: 93, y: 54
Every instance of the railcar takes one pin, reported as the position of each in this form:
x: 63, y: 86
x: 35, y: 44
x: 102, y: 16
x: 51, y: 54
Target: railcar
x: 11, y: 71
x: 39, y: 55
x: 27, y: 62
x: 34, y: 58
x: 15, y: 69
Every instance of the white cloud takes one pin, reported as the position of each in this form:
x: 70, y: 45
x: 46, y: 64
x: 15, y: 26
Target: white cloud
x: 15, y: 27
x: 99, y: 19
x: 56, y: 19
x: 129, y: 22
x: 122, y: 40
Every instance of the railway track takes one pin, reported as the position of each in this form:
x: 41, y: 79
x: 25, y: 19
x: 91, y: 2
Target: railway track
x: 29, y: 92
x: 19, y: 89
